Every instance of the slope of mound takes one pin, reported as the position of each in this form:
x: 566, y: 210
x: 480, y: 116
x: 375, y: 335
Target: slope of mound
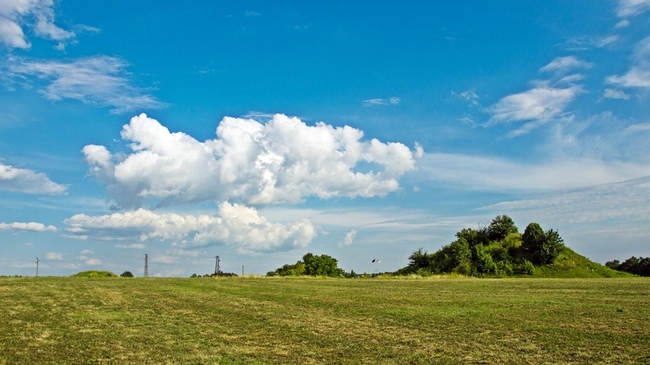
x: 570, y: 264
x: 94, y: 274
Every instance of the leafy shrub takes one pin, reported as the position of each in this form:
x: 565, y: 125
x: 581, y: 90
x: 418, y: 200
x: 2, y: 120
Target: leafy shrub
x: 483, y: 262
x: 464, y: 268
x: 127, y: 274
x: 527, y: 268
x: 504, y: 268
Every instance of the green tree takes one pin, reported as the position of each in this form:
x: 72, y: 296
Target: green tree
x: 127, y: 274
x: 532, y: 238
x: 419, y: 259
x: 500, y: 227
x: 551, y: 248
x: 321, y: 265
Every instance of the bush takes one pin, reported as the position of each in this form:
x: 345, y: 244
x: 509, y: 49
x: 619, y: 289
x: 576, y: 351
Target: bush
x: 504, y: 268
x: 127, y: 274
x: 527, y: 268
x: 464, y: 268
x: 483, y: 262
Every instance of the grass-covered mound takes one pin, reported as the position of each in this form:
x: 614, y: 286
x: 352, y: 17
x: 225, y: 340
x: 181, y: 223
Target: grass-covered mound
x: 499, y: 250
x: 570, y: 264
x: 94, y: 274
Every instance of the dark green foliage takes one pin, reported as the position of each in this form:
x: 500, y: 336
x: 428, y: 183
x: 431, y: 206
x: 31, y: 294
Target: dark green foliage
x: 501, y: 226
x: 419, y: 259
x: 500, y: 250
x: 321, y: 265
x: 637, y: 266
x: 127, y: 274
x: 296, y: 269
x: 543, y: 247
x: 483, y: 262
x: 532, y: 238
x: 527, y: 267
x: 473, y: 237
x: 551, y: 247
x: 313, y: 265
x: 614, y: 265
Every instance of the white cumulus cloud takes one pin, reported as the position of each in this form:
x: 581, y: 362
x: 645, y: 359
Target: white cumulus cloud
x: 100, y: 80
x: 93, y: 262
x: 27, y: 181
x: 349, y: 238
x: 235, y: 225
x: 281, y: 161
x: 38, y: 15
x: 26, y: 227
x: 54, y: 256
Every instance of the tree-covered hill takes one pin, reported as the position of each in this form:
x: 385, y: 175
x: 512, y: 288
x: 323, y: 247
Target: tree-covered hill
x: 499, y: 250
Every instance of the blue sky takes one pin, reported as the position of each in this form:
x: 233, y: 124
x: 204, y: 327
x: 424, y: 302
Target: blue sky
x: 259, y: 132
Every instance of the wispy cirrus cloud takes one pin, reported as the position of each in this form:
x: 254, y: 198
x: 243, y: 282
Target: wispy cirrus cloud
x: 616, y: 94
x: 585, y: 43
x: 100, y: 80
x: 638, y: 76
x: 136, y: 246
x: 502, y: 175
x: 26, y: 227
x: 38, y: 15
x: 622, y: 200
x: 562, y: 65
x: 377, y: 102
x: 540, y: 103
x: 546, y: 101
x: 630, y: 8
x: 27, y: 181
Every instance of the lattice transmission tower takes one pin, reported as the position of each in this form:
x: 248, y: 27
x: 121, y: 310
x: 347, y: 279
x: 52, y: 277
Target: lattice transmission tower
x: 146, y: 265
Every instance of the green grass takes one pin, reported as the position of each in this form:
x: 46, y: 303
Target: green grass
x: 570, y: 264
x: 324, y: 321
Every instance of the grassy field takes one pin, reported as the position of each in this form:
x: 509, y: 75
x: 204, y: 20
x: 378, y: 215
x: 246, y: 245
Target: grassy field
x: 333, y: 321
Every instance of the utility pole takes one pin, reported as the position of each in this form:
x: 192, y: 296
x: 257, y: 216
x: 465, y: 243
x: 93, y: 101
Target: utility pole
x: 146, y: 265
x: 37, y: 261
x: 216, y: 266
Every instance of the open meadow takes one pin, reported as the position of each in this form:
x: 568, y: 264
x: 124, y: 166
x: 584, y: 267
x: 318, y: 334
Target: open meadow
x: 315, y: 320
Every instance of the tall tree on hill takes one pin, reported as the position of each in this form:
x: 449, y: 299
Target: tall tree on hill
x: 544, y: 247
x: 500, y: 227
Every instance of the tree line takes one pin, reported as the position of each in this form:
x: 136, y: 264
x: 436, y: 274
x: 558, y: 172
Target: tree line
x: 637, y: 266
